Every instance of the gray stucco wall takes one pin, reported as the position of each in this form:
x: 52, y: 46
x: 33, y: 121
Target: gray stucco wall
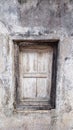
x: 39, y: 19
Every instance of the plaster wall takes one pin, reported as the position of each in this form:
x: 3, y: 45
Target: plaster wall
x: 39, y: 19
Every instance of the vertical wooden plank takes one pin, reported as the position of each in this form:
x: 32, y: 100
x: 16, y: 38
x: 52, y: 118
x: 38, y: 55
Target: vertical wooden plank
x: 41, y: 62
x: 25, y: 62
x: 30, y: 62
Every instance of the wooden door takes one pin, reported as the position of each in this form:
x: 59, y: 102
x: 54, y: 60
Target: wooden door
x: 35, y: 69
x: 36, y: 75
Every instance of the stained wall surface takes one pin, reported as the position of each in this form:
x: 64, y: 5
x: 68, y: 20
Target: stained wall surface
x: 39, y: 19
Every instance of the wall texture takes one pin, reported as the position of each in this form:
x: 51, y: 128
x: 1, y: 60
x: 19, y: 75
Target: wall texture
x: 36, y: 19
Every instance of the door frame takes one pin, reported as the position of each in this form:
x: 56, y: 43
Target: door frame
x: 54, y: 44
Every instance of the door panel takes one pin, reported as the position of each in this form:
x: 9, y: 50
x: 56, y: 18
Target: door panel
x: 29, y: 88
x: 42, y: 88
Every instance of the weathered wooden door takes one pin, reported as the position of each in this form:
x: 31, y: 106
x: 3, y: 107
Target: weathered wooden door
x: 35, y: 76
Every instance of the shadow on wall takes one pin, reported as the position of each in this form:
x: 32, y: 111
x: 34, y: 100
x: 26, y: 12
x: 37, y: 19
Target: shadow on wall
x: 22, y: 1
